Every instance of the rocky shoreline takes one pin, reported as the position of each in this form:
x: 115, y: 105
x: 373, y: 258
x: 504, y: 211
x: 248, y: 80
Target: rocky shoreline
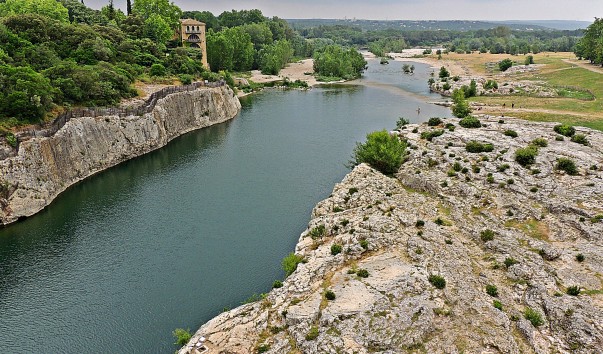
x: 461, y: 252
x: 45, y: 167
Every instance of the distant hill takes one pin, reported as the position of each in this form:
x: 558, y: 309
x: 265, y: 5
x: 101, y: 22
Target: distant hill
x: 456, y: 25
x: 554, y: 24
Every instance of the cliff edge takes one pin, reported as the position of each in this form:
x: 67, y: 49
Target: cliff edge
x: 45, y: 167
x: 461, y: 252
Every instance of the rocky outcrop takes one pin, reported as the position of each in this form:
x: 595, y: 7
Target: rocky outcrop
x: 45, y: 167
x: 509, y: 241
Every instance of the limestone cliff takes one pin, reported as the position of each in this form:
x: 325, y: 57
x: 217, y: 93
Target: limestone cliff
x: 45, y: 167
x: 511, y: 243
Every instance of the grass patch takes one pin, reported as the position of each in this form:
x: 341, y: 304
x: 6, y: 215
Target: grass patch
x: 531, y: 227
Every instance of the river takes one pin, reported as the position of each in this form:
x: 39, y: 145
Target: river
x: 169, y: 239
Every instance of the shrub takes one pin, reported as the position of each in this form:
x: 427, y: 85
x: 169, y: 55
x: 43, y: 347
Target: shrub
x: 470, y: 122
x: 434, y: 121
x: 157, y: 70
x: 336, y: 249
x: 277, y: 284
x: 318, y: 232
x: 477, y: 147
x: 330, y: 295
x: 461, y: 108
x: 526, y: 156
x: 263, y: 348
x: 573, y: 290
x: 444, y: 73
x: 431, y: 134
x: 420, y: 223
x: 565, y: 129
x: 511, y: 133
x: 567, y: 165
x: 437, y: 281
x: 290, y: 263
x: 363, y: 273
x: 364, y: 244
x: 312, y: 333
x: 559, y: 138
x: 497, y: 305
x: 457, y: 166
x: 186, y: 79
x: 580, y: 257
x: 402, y: 122
x: 529, y: 60
x: 446, y: 86
x: 487, y: 235
x: 503, y: 167
x: 533, y: 316
x: 11, y: 139
x: 505, y: 64
x: 540, y: 142
x: 580, y: 139
x: 492, y: 290
x: 509, y: 262
x: 491, y: 84
x: 182, y: 336
x: 382, y: 151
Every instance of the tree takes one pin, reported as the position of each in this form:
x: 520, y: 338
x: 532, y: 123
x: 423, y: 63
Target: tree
x: 460, y: 108
x: 211, y: 21
x: 157, y: 29
x: 275, y: 56
x: 129, y: 7
x: 163, y: 8
x: 505, y: 64
x: 444, y: 73
x: 590, y: 46
x: 24, y: 93
x: 382, y: 151
x: 335, y: 61
x: 48, y: 8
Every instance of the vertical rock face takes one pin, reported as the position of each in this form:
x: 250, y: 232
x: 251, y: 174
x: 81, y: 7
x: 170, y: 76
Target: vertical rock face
x: 519, y: 251
x: 45, y: 167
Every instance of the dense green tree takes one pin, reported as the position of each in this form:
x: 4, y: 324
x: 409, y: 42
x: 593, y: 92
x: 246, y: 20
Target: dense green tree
x: 461, y: 107
x: 335, y: 61
x: 275, y: 56
x: 157, y: 28
x: 48, y: 8
x: 163, y: 8
x: 259, y: 33
x: 382, y: 151
x: 230, y: 49
x: 590, y: 47
x: 24, y: 93
x: 236, y: 18
x: 80, y: 13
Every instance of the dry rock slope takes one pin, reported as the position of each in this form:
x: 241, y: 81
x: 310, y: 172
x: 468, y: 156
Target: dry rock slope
x: 509, y: 241
x: 45, y: 167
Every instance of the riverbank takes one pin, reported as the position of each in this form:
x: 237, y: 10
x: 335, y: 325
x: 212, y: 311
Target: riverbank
x: 517, y: 253
x: 45, y: 167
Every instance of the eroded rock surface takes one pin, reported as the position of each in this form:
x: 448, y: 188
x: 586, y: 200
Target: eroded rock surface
x: 430, y: 220
x: 45, y: 167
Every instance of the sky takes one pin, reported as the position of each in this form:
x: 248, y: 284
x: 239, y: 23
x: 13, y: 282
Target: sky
x: 584, y: 10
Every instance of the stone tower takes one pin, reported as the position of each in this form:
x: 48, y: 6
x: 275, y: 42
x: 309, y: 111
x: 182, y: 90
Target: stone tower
x: 193, y: 33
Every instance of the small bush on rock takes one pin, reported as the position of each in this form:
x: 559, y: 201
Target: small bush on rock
x: 470, y: 122
x: 487, y: 235
x: 510, y: 261
x: 526, y: 156
x: 533, y: 316
x: 277, y: 284
x: 336, y: 249
x: 382, y: 151
x: 492, y: 290
x: 573, y: 290
x: 434, y: 121
x: 330, y: 295
x: 477, y: 147
x: 312, y: 334
x: 564, y: 129
x: 431, y: 134
x: 363, y: 273
x: 290, y: 263
x: 540, y: 142
x: 437, y: 281
x: 567, y: 165
x: 580, y: 139
x: 511, y: 133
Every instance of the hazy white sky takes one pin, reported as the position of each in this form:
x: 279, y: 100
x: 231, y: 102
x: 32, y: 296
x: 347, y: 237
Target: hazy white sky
x: 402, y: 9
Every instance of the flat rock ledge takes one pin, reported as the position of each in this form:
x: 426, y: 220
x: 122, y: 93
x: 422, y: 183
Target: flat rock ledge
x: 430, y: 220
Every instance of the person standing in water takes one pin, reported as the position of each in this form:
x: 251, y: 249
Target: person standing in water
x: 419, y: 110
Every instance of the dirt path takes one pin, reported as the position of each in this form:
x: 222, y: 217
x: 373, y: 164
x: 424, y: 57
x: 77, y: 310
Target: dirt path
x: 584, y: 64
x: 510, y: 111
